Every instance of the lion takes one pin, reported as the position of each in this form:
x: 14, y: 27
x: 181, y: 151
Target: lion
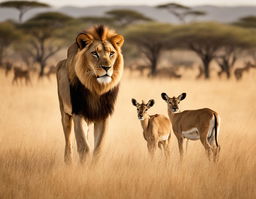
x: 88, y: 83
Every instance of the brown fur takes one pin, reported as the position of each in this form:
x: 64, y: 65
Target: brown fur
x: 199, y: 119
x: 155, y: 127
x: 81, y: 94
x: 76, y: 61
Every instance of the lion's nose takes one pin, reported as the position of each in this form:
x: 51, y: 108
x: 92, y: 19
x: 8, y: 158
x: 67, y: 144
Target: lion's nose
x: 106, y: 68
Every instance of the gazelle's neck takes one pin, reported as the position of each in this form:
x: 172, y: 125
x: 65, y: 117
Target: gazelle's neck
x: 144, y: 122
x: 172, y: 115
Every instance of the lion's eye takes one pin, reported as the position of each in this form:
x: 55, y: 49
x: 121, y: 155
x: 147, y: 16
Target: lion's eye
x: 111, y: 53
x: 95, y: 54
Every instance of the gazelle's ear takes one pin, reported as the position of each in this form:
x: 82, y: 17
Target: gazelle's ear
x: 84, y: 39
x: 150, y: 103
x: 134, y: 102
x: 164, y: 96
x: 182, y: 96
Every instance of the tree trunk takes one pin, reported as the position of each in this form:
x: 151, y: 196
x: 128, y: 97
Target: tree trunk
x: 1, y: 56
x: 225, y: 65
x: 206, y: 64
x: 153, y: 65
x: 154, y: 57
x: 227, y: 70
x: 41, y: 72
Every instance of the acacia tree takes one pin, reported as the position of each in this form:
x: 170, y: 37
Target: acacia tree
x: 8, y: 35
x: 237, y: 41
x: 249, y: 22
x: 23, y: 6
x: 151, y: 39
x: 206, y: 40
x: 47, y: 33
x: 126, y: 17
x: 246, y: 22
x: 181, y: 11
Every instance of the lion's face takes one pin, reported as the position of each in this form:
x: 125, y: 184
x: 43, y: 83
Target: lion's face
x: 98, y: 60
x: 101, y: 58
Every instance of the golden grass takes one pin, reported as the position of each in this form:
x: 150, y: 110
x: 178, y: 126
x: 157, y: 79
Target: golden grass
x: 32, y: 145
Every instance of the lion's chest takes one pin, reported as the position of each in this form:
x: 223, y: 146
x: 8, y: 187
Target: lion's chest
x: 90, y: 106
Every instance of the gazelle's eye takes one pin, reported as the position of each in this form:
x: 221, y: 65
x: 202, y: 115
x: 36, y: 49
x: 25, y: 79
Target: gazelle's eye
x: 95, y: 54
x: 111, y: 53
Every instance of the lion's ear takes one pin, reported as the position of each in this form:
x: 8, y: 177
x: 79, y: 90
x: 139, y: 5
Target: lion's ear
x: 118, y: 40
x: 83, y: 39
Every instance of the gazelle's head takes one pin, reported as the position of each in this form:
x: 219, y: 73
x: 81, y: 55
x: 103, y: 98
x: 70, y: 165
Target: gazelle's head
x: 142, y: 108
x: 173, y: 102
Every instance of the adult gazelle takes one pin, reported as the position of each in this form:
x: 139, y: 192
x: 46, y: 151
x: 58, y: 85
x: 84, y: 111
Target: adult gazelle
x: 200, y: 124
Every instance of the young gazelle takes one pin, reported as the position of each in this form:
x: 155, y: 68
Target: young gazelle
x: 156, y: 128
x: 197, y: 124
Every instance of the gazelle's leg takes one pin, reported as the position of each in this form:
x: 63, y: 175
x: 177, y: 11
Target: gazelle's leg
x: 161, y: 146
x: 180, y: 143
x: 66, y: 124
x: 81, y: 138
x: 206, y: 145
x: 167, y: 149
x: 215, y: 149
x: 151, y: 148
x: 100, y: 129
x: 187, y: 145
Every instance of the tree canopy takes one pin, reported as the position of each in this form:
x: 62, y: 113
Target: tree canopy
x: 181, y: 11
x: 207, y: 40
x: 151, y: 39
x: 48, y: 34
x: 125, y: 17
x: 23, y: 6
x: 8, y: 35
x: 247, y: 22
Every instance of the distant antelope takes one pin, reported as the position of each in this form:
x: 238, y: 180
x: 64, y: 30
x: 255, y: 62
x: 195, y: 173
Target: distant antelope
x: 156, y: 128
x: 8, y: 68
x: 168, y: 72
x: 197, y: 124
x: 21, y: 74
x: 240, y: 71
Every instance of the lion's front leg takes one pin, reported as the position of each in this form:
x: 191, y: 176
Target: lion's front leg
x: 100, y: 129
x: 66, y: 124
x: 81, y: 137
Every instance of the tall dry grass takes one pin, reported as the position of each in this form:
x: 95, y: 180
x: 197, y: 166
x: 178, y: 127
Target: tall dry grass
x: 32, y: 145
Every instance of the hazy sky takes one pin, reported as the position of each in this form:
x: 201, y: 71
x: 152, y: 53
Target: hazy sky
x: 147, y: 2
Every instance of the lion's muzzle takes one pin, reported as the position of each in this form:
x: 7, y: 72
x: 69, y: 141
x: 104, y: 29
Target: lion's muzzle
x: 105, y: 79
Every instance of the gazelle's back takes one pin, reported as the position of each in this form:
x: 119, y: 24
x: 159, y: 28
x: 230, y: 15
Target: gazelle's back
x: 161, y: 124
x: 196, y: 118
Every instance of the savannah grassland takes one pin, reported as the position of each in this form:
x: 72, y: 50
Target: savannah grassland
x: 32, y: 145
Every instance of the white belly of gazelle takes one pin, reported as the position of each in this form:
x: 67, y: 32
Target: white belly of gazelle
x: 164, y: 137
x: 191, y: 134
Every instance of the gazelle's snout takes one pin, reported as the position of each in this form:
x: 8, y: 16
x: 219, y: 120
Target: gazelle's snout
x: 175, y: 109
x: 140, y: 116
